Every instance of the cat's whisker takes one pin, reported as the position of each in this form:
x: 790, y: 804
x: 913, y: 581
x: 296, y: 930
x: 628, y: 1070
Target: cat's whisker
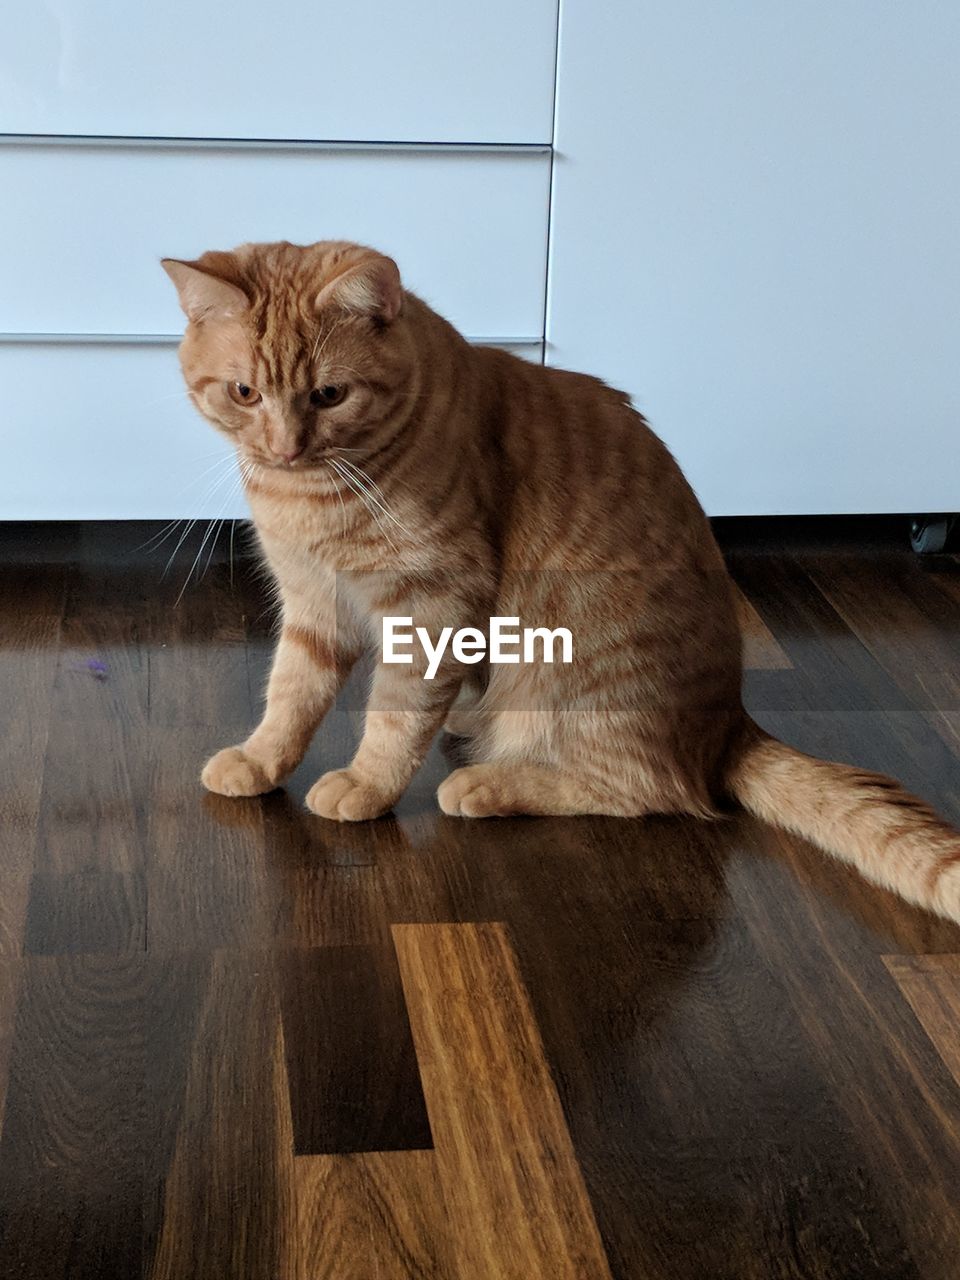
x: 217, y: 526
x: 395, y: 481
x: 220, y: 462
x: 211, y: 524
x: 360, y: 489
x: 375, y: 493
x: 203, y: 543
x: 218, y: 483
x: 221, y: 521
x: 343, y: 509
x: 183, y: 536
x: 359, y: 471
x: 173, y: 395
x: 351, y: 483
x: 156, y: 540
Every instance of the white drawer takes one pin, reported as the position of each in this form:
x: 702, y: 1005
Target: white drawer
x: 81, y: 241
x: 454, y: 71
x: 104, y: 431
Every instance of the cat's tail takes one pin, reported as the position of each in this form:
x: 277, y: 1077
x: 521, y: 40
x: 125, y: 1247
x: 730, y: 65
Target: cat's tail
x: 868, y: 820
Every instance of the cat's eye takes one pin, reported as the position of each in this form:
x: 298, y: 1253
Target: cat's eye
x: 240, y: 393
x: 323, y: 397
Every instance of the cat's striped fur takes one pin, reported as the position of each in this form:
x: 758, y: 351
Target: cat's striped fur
x: 451, y: 483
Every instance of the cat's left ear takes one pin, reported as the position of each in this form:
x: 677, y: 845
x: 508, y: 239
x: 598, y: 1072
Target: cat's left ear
x: 204, y: 296
x: 371, y: 287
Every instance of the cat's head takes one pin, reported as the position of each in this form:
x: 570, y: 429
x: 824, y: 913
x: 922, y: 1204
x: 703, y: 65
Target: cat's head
x: 294, y: 351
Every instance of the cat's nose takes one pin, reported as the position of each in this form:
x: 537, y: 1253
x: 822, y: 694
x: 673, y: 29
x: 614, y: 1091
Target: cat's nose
x: 294, y: 454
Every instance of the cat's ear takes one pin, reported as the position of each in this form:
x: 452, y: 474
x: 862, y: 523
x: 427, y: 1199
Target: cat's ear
x: 203, y: 295
x: 371, y: 287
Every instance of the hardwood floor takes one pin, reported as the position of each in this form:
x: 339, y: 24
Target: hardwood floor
x: 240, y: 1043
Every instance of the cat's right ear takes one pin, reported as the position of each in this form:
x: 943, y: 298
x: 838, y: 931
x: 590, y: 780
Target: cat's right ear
x: 368, y: 284
x: 204, y: 296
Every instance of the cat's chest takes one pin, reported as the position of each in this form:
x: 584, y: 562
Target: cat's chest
x: 304, y: 538
x: 305, y: 558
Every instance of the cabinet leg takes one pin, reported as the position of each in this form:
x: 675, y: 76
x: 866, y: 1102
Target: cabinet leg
x: 930, y: 535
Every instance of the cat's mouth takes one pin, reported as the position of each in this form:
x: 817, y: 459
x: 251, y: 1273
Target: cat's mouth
x: 303, y: 462
x: 314, y: 458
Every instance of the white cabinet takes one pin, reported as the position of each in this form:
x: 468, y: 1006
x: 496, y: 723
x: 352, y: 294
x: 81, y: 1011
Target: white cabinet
x: 80, y: 244
x: 754, y: 232
x: 448, y: 71
x: 129, y: 132
x: 751, y: 213
x: 104, y: 430
x: 94, y: 418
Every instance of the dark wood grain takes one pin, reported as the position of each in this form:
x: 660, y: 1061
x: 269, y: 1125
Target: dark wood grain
x: 354, y: 1079
x: 28, y: 662
x: 88, y: 891
x: 9, y: 982
x: 173, y: 1008
x: 228, y: 1205
x: 71, y: 1152
x: 932, y: 986
x: 760, y: 650
x: 752, y: 1051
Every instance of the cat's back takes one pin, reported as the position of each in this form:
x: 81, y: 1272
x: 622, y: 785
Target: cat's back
x: 598, y: 495
x: 580, y: 452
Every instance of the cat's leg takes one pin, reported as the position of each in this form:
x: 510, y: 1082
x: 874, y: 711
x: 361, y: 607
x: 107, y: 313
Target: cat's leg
x: 464, y: 719
x: 309, y: 666
x: 404, y: 713
x: 504, y: 788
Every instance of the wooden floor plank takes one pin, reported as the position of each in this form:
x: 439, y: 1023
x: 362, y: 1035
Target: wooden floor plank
x: 9, y: 982
x: 881, y: 1071
x: 354, y: 1081
x: 71, y: 1151
x: 932, y: 986
x: 88, y: 893
x: 411, y: 1225
x: 28, y: 663
x: 761, y: 652
x: 844, y: 675
x: 207, y: 881
x: 333, y: 1220
x: 173, y: 1012
x: 369, y: 1216
x: 897, y: 606
x: 228, y: 1203
x: 515, y: 1194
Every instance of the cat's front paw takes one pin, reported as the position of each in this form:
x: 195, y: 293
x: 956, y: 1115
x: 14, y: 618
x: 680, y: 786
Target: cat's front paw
x: 232, y: 773
x: 344, y: 797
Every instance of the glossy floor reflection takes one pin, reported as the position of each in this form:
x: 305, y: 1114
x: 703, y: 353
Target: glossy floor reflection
x: 237, y: 1041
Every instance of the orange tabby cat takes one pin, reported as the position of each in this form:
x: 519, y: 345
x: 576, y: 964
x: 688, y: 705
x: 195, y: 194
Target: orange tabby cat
x: 394, y: 469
